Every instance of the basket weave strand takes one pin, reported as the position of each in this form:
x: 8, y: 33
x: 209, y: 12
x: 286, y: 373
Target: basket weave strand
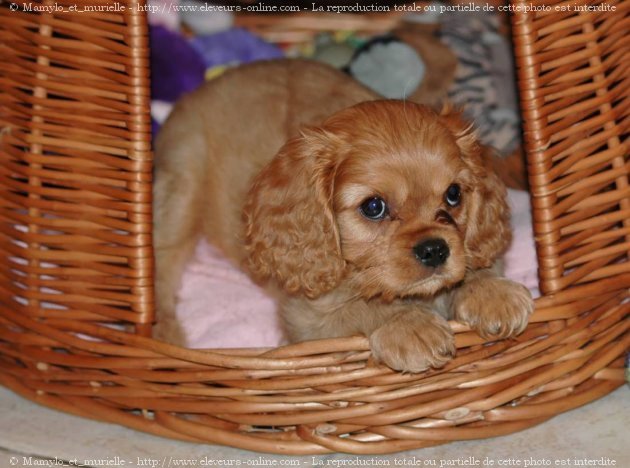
x: 76, y: 261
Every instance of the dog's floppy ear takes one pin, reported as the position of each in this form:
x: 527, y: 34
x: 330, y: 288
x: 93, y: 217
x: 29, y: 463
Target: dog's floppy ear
x: 290, y: 231
x: 488, y: 232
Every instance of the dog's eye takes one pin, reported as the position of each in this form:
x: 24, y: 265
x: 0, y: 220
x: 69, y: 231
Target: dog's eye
x: 374, y: 208
x: 453, y: 195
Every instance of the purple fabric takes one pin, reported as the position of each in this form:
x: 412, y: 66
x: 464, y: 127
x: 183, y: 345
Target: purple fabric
x: 232, y: 47
x: 155, y: 128
x: 176, y: 67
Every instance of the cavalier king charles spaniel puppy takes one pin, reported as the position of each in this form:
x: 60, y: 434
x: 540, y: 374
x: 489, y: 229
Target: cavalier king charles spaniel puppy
x: 383, y: 219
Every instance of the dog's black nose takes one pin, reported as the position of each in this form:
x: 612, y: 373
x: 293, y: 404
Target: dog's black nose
x: 432, y: 252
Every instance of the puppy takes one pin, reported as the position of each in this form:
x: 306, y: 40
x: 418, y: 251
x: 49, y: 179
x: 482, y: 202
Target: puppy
x: 210, y: 148
x: 383, y: 219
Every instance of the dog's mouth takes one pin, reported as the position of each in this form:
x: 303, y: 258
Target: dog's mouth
x: 432, y: 284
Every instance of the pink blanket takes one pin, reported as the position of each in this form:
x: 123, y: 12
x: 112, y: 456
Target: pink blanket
x: 220, y: 307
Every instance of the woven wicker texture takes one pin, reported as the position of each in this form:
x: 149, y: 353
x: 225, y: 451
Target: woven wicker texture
x: 76, y: 167
x: 75, y: 258
x: 302, y: 27
x: 575, y: 77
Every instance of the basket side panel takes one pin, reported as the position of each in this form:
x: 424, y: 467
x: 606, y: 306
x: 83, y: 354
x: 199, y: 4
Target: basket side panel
x: 573, y: 62
x: 75, y: 164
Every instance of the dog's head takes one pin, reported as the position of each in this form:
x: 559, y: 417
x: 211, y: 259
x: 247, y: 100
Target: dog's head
x: 389, y: 197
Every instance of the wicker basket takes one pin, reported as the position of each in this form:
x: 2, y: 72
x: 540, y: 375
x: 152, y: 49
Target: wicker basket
x: 76, y: 259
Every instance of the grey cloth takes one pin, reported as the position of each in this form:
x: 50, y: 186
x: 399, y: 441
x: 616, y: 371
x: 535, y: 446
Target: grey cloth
x: 484, y: 79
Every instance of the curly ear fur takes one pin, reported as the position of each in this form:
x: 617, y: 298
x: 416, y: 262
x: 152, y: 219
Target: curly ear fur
x: 290, y: 232
x: 488, y: 232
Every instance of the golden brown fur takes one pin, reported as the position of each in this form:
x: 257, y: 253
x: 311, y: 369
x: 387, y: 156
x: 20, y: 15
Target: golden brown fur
x: 221, y: 156
x: 216, y: 139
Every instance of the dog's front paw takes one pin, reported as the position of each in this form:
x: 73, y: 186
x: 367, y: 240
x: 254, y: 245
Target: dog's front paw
x: 494, y: 307
x: 413, y: 342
